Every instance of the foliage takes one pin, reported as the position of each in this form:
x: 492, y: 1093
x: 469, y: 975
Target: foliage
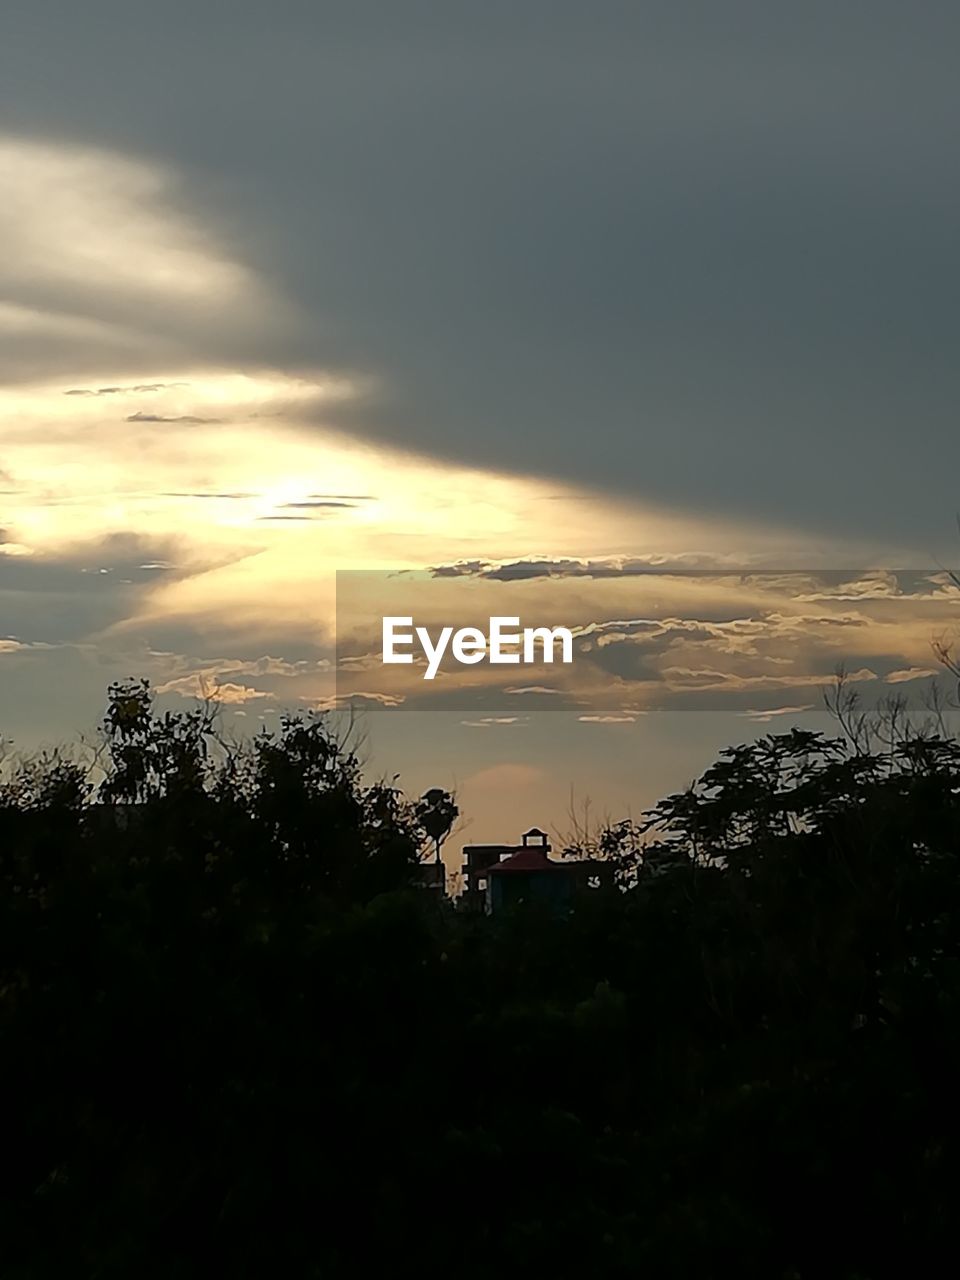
x: 233, y: 1041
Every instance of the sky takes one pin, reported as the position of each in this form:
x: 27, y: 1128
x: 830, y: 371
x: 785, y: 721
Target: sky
x: 436, y: 285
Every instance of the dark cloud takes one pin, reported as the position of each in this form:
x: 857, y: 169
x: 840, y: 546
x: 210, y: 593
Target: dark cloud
x: 120, y: 391
x: 68, y: 595
x: 722, y: 569
x: 319, y: 505
x: 462, y: 569
x: 159, y: 417
x: 521, y: 570
x: 84, y: 566
x: 685, y: 253
x: 200, y: 494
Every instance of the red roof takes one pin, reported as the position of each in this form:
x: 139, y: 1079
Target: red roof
x: 526, y: 860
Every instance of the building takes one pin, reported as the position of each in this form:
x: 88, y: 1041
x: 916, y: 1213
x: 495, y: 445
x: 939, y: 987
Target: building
x: 498, y: 877
x: 431, y: 876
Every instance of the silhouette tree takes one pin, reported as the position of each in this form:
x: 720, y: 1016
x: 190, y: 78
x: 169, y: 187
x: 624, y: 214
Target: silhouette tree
x: 235, y: 1040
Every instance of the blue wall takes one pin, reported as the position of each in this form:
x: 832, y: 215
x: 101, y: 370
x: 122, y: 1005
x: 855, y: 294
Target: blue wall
x: 543, y: 888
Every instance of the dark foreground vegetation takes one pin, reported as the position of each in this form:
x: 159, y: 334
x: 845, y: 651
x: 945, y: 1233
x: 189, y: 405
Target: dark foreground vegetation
x: 234, y: 1042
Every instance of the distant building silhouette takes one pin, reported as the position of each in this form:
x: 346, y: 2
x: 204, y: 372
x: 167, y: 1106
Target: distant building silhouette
x: 497, y: 877
x: 432, y: 876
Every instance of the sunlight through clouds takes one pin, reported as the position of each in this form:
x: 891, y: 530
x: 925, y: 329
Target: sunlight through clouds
x: 171, y: 508
x: 104, y: 269
x: 219, y: 460
x: 90, y: 218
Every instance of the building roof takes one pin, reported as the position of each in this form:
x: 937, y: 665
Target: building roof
x: 526, y: 860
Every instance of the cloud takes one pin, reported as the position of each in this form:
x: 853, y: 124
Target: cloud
x: 195, y: 686
x: 875, y: 586
x: 212, y: 669
x: 120, y: 391
x: 181, y: 417
x: 485, y: 722
x: 462, y: 569
x: 182, y: 494
x: 125, y: 555
x: 336, y: 702
x: 771, y: 713
x: 317, y: 505
x: 910, y: 673
x: 608, y: 719
x: 104, y: 269
x: 685, y: 678
x: 774, y: 648
x: 743, y: 635
x: 79, y: 591
x: 667, y: 260
x: 673, y: 300
x: 342, y: 497
x: 604, y: 567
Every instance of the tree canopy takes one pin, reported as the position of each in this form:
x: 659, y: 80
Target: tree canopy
x: 236, y: 1038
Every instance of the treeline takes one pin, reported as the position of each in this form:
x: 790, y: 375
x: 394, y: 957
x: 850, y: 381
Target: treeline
x: 236, y: 1039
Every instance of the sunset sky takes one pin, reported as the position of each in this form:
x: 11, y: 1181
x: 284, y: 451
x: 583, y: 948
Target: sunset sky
x: 536, y: 289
